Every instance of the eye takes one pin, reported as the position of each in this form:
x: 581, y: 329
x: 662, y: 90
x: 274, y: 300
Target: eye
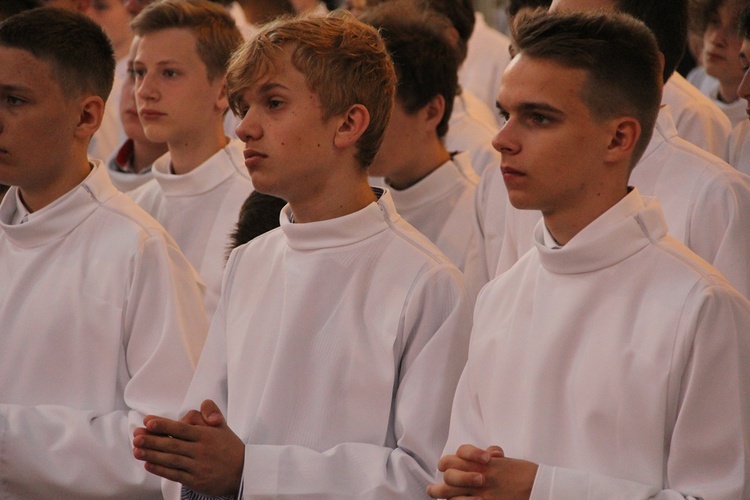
x: 138, y: 72
x: 170, y: 73
x: 14, y: 101
x: 274, y: 103
x: 504, y: 116
x: 539, y: 119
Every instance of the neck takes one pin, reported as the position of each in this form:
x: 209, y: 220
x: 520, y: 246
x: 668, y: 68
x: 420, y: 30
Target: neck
x: 423, y: 166
x: 187, y: 155
x: 334, y: 199
x: 728, y: 92
x: 145, y: 154
x: 39, y: 196
x: 565, y: 224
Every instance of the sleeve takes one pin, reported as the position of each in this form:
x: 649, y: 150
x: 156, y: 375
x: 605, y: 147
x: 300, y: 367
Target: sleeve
x: 63, y: 452
x: 436, y: 322
x: 708, y: 452
x: 720, y: 227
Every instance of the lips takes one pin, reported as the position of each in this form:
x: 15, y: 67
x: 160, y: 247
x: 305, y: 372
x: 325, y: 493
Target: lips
x: 252, y: 158
x: 511, y: 174
x: 150, y: 114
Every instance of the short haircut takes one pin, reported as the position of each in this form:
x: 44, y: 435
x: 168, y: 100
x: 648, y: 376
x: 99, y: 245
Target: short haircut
x: 216, y: 34
x: 12, y: 7
x: 461, y: 15
x: 425, y: 62
x: 702, y: 12
x: 618, y: 53
x: 668, y: 20
x: 76, y: 48
x: 344, y: 61
x: 744, y: 23
x: 516, y: 5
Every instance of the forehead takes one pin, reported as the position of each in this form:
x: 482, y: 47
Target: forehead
x: 542, y: 81
x: 278, y: 72
x: 170, y: 43
x: 20, y: 68
x: 583, y: 5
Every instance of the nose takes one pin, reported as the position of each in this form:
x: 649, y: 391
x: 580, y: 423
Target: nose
x: 505, y: 141
x: 145, y: 87
x: 249, y: 128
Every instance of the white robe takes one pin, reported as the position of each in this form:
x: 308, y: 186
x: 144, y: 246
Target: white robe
x: 614, y: 362
x: 334, y: 354
x: 706, y: 203
x: 487, y: 57
x: 471, y: 128
x: 441, y: 206
x: 735, y: 111
x: 101, y: 320
x: 200, y: 210
x: 697, y: 118
x: 738, y: 147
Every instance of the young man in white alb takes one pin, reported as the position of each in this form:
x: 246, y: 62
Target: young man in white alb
x: 431, y: 188
x: 340, y: 336
x: 704, y: 199
x: 200, y: 184
x: 101, y: 316
x: 610, y: 361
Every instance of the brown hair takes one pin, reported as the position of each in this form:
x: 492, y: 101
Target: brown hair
x: 215, y: 31
x: 344, y: 61
x: 79, y: 52
x: 619, y: 54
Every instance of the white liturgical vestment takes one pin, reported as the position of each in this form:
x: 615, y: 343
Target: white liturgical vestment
x: 102, y: 322
x: 200, y: 209
x: 705, y: 201
x: 696, y: 117
x: 738, y: 147
x: 441, y: 206
x: 617, y: 362
x: 334, y: 355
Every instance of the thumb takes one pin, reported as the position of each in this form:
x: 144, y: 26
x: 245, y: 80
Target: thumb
x: 212, y: 414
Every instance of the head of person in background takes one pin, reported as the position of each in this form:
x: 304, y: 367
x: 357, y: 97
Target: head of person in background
x: 743, y: 89
x: 426, y: 72
x: 717, y: 21
x: 134, y: 7
x: 114, y: 20
x: 259, y: 214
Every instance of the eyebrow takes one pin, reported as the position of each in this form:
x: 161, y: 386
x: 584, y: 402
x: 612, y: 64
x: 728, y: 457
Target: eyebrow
x: 530, y: 107
x: 15, y: 88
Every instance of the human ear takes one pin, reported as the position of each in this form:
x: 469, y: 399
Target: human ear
x: 90, y: 116
x: 352, y: 125
x: 222, y: 99
x: 435, y: 109
x: 625, y: 133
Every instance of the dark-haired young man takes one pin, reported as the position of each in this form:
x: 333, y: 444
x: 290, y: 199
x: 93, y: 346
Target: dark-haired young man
x: 610, y: 361
x: 101, y: 316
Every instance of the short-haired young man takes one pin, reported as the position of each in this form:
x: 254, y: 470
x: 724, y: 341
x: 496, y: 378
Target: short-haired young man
x: 431, y: 188
x: 101, y: 316
x: 201, y: 183
x: 610, y: 361
x: 340, y: 336
x: 129, y: 166
x: 705, y: 201
x: 738, y: 147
